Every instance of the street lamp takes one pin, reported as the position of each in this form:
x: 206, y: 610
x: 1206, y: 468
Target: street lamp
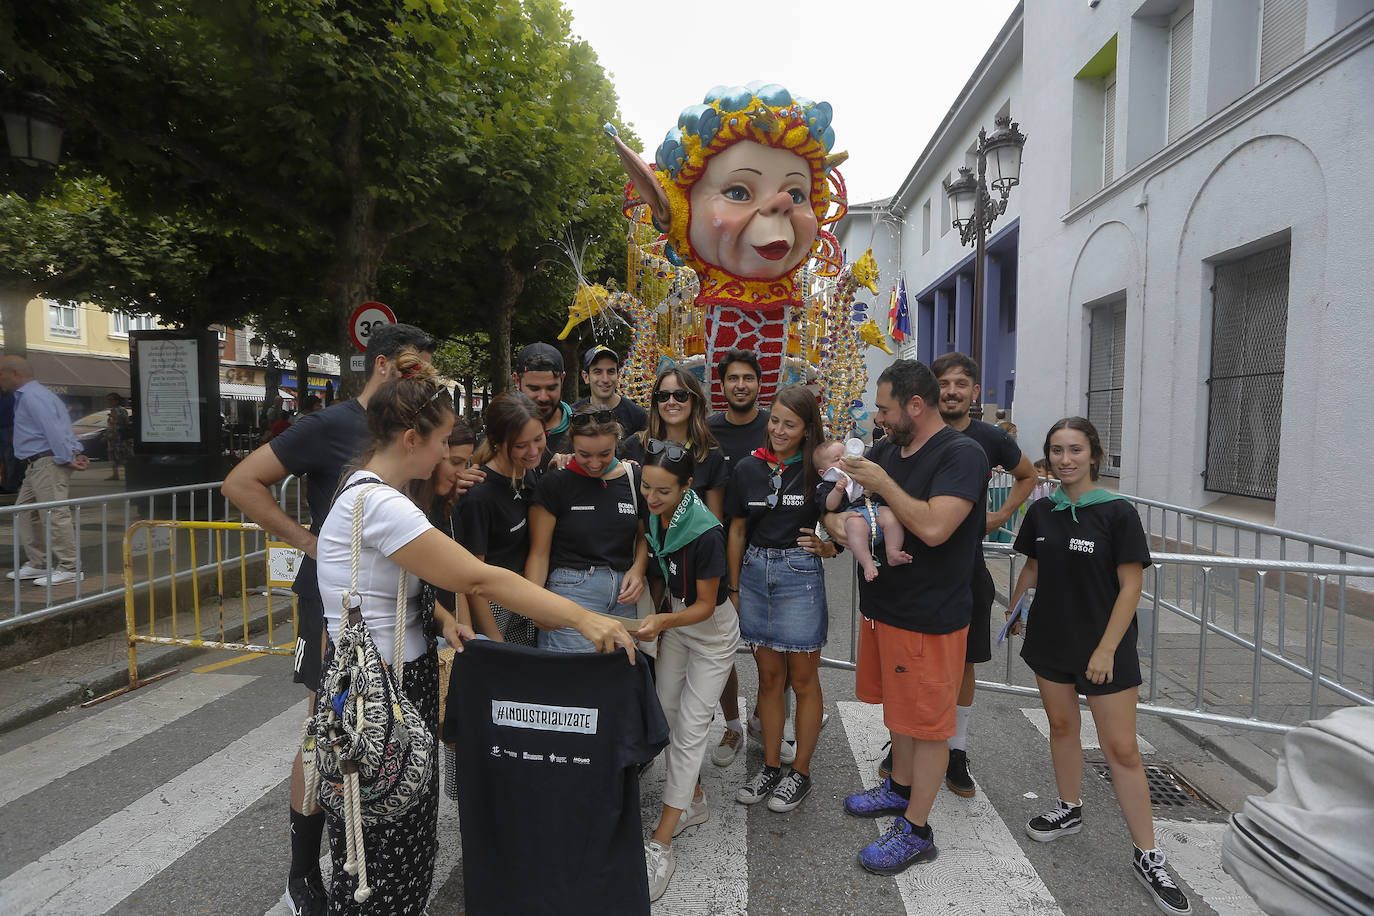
x: 266, y: 356
x: 33, y: 127
x: 974, y: 211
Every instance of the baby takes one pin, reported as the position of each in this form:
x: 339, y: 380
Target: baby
x: 866, y: 524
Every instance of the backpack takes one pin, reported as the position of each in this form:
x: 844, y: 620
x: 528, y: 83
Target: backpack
x: 371, y: 751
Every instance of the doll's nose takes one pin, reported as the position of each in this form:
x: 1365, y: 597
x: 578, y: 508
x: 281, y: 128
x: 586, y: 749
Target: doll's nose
x: 778, y: 204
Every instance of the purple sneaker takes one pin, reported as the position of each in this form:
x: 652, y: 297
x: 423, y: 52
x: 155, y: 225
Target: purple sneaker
x: 897, y: 850
x: 879, y: 801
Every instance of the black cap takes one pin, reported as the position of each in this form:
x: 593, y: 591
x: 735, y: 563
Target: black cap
x: 596, y: 353
x: 539, y: 357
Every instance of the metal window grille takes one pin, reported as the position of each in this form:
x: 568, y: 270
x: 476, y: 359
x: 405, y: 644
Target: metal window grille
x: 1107, y: 379
x: 1245, y: 390
x: 1109, y: 131
x: 1180, y: 74
x: 1283, y: 32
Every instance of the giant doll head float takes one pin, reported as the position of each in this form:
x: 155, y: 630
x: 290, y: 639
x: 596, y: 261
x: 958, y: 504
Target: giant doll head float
x: 742, y: 190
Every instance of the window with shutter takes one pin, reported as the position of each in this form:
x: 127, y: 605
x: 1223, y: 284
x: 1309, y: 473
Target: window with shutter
x: 1283, y: 33
x: 1245, y: 390
x: 1107, y: 379
x: 1109, y: 131
x: 1180, y: 73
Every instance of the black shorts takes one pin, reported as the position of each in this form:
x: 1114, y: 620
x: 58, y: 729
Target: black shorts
x: 979, y: 646
x: 309, y: 642
x: 1124, y: 677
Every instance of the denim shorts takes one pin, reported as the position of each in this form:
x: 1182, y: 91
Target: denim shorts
x: 869, y: 513
x: 782, y: 600
x: 594, y: 589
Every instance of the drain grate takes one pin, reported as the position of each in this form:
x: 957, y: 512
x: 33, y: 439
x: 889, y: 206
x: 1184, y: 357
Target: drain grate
x: 1167, y: 788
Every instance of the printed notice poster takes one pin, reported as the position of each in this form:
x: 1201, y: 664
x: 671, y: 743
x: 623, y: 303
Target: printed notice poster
x: 171, y: 391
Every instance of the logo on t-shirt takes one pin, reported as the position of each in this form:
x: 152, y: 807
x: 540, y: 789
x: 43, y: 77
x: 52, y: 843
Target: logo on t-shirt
x: 793, y: 499
x: 1081, y: 545
x: 582, y: 508
x: 626, y: 508
x: 519, y: 526
x: 513, y: 714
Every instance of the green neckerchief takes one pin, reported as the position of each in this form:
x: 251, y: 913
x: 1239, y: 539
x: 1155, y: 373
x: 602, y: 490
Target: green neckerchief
x: 691, y: 519
x: 1090, y: 498
x: 567, y: 418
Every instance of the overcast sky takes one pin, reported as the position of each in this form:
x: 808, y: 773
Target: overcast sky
x: 890, y: 68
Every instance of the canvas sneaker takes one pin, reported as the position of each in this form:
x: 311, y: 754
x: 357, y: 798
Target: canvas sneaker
x: 1064, y: 820
x: 697, y: 813
x: 1150, y: 871
x: 879, y: 801
x: 731, y: 743
x: 957, y: 776
x: 790, y: 792
x: 58, y: 577
x: 303, y: 900
x: 27, y: 572
x: 760, y: 786
x: 897, y: 850
x: 885, y: 765
x: 659, y: 862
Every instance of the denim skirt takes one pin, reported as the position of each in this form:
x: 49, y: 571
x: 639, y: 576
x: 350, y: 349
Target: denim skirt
x: 782, y: 600
x: 594, y: 589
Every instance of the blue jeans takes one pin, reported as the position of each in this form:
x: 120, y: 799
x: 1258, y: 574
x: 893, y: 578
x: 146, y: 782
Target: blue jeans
x: 782, y: 600
x: 594, y: 589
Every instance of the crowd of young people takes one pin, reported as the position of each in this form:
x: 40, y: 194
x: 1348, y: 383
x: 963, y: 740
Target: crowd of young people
x: 565, y: 516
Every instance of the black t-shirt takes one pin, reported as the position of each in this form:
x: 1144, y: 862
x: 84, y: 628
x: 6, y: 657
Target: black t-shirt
x: 747, y: 497
x: 559, y: 443
x: 997, y: 443
x: 703, y: 558
x: 709, y: 474
x: 1076, y: 583
x: 493, y: 519
x: 318, y: 447
x: 932, y: 594
x: 737, y: 441
x: 631, y: 416
x: 597, y: 520
x: 549, y: 746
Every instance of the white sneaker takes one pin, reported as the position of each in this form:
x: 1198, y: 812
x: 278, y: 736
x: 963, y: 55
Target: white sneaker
x: 787, y: 752
x: 697, y: 813
x: 26, y: 572
x: 731, y: 743
x: 659, y: 861
x: 58, y: 577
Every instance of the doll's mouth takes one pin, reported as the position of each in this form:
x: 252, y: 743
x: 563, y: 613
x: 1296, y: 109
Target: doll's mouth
x: 773, y: 251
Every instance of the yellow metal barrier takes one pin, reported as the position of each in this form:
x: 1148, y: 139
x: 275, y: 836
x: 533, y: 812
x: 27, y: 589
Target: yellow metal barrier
x: 279, y: 562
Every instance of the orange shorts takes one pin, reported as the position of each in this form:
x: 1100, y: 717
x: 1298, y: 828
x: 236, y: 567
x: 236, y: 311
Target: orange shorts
x: 916, y: 676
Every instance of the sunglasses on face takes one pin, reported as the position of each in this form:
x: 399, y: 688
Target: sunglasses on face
x: 674, y: 451
x: 681, y: 395
x: 598, y: 417
x: 776, y: 483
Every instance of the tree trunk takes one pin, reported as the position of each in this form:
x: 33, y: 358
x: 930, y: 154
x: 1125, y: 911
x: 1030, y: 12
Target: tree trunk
x: 301, y: 359
x: 512, y: 287
x: 14, y: 303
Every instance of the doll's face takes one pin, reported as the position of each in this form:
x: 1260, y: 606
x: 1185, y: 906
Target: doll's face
x: 751, y: 212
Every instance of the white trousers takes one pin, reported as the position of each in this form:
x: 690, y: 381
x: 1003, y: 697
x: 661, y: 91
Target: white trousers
x: 693, y: 663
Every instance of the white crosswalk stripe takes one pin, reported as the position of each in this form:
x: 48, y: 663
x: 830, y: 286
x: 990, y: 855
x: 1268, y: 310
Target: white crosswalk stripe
x: 1087, y: 729
x: 1194, y: 850
x: 981, y: 868
x: 31, y: 767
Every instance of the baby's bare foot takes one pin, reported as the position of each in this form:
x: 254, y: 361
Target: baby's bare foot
x: 898, y: 558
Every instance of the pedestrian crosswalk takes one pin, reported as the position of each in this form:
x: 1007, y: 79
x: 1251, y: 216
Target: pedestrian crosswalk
x: 117, y: 858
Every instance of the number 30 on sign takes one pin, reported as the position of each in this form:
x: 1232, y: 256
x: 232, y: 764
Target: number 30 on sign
x: 366, y: 319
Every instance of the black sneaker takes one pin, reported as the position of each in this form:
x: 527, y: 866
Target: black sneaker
x: 759, y: 786
x: 885, y: 767
x: 1150, y: 871
x: 957, y: 776
x: 301, y: 899
x: 790, y: 792
x: 1062, y: 821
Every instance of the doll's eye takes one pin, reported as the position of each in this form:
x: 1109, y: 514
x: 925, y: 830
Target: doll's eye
x: 736, y: 192
x: 797, y: 196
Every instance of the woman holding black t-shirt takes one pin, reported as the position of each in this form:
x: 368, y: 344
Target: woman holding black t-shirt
x: 779, y: 589
x: 696, y: 639
x: 679, y: 415
x: 586, y: 536
x: 1086, y: 555
x: 493, y: 515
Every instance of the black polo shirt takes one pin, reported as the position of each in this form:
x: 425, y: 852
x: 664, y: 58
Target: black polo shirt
x: 933, y: 593
x: 631, y: 417
x: 737, y: 441
x: 493, y: 519
x: 708, y: 475
x: 747, y: 497
x: 597, y: 519
x: 703, y: 558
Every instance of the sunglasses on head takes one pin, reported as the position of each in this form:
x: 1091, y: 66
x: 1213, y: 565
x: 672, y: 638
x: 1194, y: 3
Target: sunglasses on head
x: 598, y: 417
x: 674, y: 451
x: 681, y: 395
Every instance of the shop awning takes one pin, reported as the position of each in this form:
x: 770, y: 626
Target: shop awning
x: 69, y: 373
x: 237, y: 391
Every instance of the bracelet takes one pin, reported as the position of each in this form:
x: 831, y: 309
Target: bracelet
x: 731, y: 588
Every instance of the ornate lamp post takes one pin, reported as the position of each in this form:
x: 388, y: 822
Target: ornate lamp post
x: 266, y: 357
x: 33, y: 129
x: 975, y: 210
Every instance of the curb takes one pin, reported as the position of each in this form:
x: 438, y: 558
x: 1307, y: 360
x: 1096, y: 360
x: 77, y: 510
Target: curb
x: 1245, y: 757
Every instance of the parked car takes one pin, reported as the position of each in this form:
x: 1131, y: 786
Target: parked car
x: 90, y: 432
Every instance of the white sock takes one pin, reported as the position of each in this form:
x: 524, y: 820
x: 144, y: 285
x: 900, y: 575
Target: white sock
x: 957, y: 743
x: 734, y: 726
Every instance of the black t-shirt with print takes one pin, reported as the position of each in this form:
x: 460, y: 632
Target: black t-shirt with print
x: 597, y: 520
x: 737, y: 441
x: 933, y: 593
x: 1077, y: 583
x: 549, y: 748
x: 703, y: 558
x: 493, y: 518
x: 631, y: 417
x: 318, y: 447
x: 708, y: 475
x: 747, y: 497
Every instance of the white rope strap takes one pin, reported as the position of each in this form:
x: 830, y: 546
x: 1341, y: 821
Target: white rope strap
x: 310, y: 803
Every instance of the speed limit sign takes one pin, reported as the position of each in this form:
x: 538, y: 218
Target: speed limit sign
x: 367, y: 318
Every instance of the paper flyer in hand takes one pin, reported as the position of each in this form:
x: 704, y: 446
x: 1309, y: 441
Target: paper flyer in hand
x: 1020, y: 612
